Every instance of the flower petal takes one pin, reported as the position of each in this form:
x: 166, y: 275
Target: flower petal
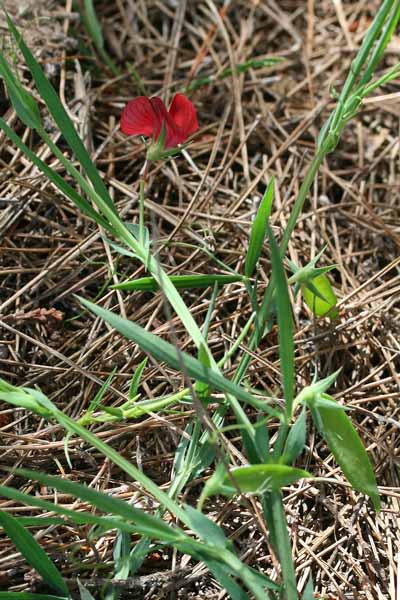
x: 161, y: 115
x: 139, y: 117
x: 183, y: 114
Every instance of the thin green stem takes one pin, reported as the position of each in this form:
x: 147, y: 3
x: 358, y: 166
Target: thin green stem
x: 283, y: 546
x: 141, y: 213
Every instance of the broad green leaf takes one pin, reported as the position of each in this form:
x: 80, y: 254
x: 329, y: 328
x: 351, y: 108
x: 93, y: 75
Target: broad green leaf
x: 285, y: 324
x: 179, y: 281
x: 259, y: 230
x: 296, y: 439
x: 315, y: 303
x: 33, y: 553
x: 60, y: 116
x: 261, y: 478
x: 344, y: 443
x: 165, y: 352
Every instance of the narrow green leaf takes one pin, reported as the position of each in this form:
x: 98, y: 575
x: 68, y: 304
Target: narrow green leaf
x: 344, y: 443
x: 60, y: 116
x: 259, y: 230
x: 86, y: 518
x: 84, y: 593
x: 55, y: 178
x: 135, y: 382
x: 165, y: 352
x: 28, y: 596
x: 282, y: 540
x: 226, y: 578
x: 99, y: 396
x: 205, y: 528
x: 40, y: 521
x: 296, y: 439
x: 23, y: 102
x: 92, y: 24
x: 179, y: 281
x: 105, y: 503
x: 261, y: 478
x: 308, y: 593
x: 324, y: 305
x: 33, y: 553
x: 121, y: 554
x: 285, y: 324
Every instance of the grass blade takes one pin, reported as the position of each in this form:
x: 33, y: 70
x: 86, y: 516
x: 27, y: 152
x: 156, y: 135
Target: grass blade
x: 285, y: 324
x: 55, y: 178
x: 28, y: 596
x: 94, y: 29
x: 259, y: 230
x: 166, y: 352
x: 179, y: 281
x: 23, y: 102
x: 107, y: 504
x: 60, y: 116
x: 282, y: 541
x: 33, y: 553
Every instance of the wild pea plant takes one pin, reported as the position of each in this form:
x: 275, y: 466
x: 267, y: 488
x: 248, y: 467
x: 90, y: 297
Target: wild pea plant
x: 270, y: 464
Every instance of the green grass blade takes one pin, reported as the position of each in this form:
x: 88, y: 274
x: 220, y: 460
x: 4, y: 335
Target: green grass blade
x: 282, y: 541
x: 28, y: 596
x: 23, y: 102
x: 60, y: 116
x: 285, y: 324
x: 135, y: 381
x: 55, y: 178
x: 226, y: 578
x: 94, y: 29
x: 166, y: 352
x: 259, y: 230
x: 100, y: 393
x: 40, y: 521
x: 33, y: 553
x: 107, y: 504
x: 105, y: 523
x: 180, y: 282
x: 296, y: 439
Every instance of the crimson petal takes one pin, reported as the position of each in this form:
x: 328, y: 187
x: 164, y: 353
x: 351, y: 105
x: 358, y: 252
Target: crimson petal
x: 183, y: 114
x: 139, y: 117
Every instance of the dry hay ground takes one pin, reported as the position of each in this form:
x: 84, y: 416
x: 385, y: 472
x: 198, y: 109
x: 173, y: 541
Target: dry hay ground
x: 252, y: 126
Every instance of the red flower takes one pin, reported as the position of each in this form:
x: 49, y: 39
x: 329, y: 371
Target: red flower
x: 146, y: 116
